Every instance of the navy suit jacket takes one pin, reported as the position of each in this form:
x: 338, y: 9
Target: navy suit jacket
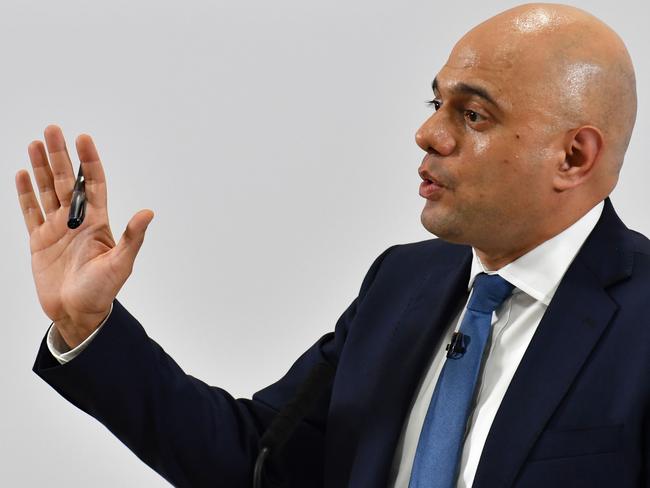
x: 574, y: 415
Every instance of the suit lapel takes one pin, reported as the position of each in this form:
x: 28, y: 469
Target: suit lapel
x: 576, y: 318
x: 412, y: 345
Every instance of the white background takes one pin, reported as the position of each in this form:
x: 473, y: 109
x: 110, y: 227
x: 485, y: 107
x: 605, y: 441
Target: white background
x: 274, y: 142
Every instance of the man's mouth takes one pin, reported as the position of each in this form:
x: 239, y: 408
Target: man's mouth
x: 430, y: 189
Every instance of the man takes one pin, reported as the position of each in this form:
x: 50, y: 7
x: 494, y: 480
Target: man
x: 545, y: 383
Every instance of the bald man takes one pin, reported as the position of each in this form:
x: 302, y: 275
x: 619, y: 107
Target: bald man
x: 512, y: 351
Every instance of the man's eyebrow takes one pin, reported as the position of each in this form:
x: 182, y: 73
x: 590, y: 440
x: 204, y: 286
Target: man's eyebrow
x: 467, y: 89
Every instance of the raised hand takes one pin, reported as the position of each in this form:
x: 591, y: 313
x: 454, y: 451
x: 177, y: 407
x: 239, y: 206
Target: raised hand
x: 77, y: 272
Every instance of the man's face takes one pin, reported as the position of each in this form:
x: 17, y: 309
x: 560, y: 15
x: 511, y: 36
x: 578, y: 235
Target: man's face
x: 491, y: 143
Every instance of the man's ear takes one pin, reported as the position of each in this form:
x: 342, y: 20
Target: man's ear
x: 583, y: 147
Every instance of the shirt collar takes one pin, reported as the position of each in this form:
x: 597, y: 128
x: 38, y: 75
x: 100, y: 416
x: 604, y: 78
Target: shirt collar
x: 539, y: 271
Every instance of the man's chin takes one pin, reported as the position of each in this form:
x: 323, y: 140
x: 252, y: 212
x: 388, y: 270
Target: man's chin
x: 440, y: 226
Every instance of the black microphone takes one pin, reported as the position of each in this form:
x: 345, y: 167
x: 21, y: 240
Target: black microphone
x: 288, y: 418
x: 456, y: 349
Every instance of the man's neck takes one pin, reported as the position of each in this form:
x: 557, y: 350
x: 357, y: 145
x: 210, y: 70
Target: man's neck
x: 494, y: 260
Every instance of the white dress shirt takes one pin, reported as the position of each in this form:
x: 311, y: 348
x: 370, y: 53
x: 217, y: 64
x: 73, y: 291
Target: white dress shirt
x: 535, y: 275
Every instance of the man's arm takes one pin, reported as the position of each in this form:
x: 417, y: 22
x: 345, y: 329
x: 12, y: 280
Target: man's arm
x: 191, y: 433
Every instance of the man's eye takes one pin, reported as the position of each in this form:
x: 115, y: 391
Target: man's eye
x: 473, y: 116
x: 435, y: 103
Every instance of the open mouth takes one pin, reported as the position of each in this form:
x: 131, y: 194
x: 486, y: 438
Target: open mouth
x: 430, y: 189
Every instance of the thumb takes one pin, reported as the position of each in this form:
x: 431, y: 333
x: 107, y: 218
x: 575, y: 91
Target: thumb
x: 133, y: 237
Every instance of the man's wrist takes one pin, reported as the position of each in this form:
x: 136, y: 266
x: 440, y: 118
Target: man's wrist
x: 75, y: 331
x: 61, y: 350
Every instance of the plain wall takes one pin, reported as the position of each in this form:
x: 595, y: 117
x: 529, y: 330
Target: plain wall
x: 274, y: 142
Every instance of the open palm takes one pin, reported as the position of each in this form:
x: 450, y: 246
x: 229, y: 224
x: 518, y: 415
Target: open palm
x: 77, y: 272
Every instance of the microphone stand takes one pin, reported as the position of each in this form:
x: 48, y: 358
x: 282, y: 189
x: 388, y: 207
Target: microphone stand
x: 290, y: 416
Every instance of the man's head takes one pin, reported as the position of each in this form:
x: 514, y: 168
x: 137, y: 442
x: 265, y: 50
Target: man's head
x: 534, y: 111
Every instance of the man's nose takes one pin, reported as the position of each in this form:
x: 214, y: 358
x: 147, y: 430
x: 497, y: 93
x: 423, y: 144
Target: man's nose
x: 433, y: 136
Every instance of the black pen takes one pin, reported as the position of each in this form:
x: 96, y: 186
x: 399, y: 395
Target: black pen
x: 78, y: 203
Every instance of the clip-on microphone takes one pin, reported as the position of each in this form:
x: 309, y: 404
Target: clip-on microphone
x: 458, y: 345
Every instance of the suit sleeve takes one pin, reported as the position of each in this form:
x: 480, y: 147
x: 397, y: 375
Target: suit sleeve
x: 189, y: 432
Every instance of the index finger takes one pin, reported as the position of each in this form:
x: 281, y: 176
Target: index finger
x: 94, y: 178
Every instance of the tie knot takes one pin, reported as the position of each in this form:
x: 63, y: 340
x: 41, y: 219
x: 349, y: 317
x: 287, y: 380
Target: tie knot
x: 490, y: 291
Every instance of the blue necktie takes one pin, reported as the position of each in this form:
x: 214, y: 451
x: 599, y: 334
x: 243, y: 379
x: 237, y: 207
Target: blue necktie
x: 443, y: 432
